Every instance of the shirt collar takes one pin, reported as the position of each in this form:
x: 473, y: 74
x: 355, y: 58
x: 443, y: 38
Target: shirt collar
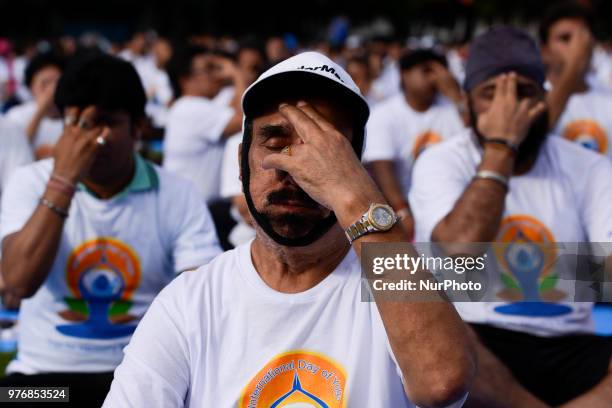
x: 145, y: 178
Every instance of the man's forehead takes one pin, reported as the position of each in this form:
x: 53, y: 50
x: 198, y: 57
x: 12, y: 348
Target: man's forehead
x: 329, y: 109
x: 567, y: 24
x: 520, y: 80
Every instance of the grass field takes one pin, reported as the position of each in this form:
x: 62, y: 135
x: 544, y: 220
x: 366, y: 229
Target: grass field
x: 4, y: 360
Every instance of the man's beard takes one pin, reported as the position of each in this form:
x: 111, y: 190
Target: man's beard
x: 530, y: 146
x: 292, y: 225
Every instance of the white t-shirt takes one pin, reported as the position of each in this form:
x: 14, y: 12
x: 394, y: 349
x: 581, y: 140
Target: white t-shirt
x: 221, y: 337
x: 231, y: 185
x: 388, y: 82
x: 587, y: 120
x: 564, y: 198
x: 114, y: 257
x: 14, y: 151
x: 193, y: 144
x: 398, y: 133
x: 49, y: 130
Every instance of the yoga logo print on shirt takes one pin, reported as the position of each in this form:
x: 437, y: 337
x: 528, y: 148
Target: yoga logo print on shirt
x: 527, y: 268
x: 423, y: 141
x: 588, y: 133
x: 102, y: 275
x: 297, y: 379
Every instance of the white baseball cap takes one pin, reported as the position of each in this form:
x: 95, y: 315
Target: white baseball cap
x: 306, y: 73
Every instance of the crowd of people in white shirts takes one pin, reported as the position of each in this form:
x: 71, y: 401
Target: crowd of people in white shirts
x: 193, y: 91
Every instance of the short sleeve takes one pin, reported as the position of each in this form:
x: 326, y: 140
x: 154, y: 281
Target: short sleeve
x: 438, y: 181
x: 155, y: 368
x: 380, y: 139
x: 596, y: 209
x: 15, y: 152
x: 19, y: 199
x: 198, y: 121
x: 195, y: 240
x: 230, y: 169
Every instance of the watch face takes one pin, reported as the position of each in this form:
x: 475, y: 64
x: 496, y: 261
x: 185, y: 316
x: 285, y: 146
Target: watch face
x: 382, y: 217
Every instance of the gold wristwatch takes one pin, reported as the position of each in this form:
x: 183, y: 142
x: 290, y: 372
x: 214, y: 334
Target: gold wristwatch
x: 378, y: 218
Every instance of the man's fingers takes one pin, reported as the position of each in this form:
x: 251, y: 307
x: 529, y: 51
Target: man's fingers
x: 500, y: 88
x: 87, y: 119
x: 536, y: 111
x: 511, y: 87
x: 71, y: 116
x: 315, y: 116
x: 285, y: 161
x: 278, y: 161
x: 303, y: 125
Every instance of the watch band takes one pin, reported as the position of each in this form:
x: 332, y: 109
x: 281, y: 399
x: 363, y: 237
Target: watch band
x: 501, y: 142
x: 365, y: 225
x: 46, y: 203
x: 358, y: 229
x: 492, y: 175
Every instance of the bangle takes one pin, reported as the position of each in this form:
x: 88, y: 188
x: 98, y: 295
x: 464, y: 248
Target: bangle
x: 501, y: 142
x: 61, y: 187
x: 492, y: 175
x: 63, y: 180
x: 46, y: 203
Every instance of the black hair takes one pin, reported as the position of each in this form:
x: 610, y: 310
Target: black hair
x: 41, y: 61
x: 561, y: 11
x: 102, y: 80
x: 420, y: 56
x: 179, y: 65
x: 252, y: 43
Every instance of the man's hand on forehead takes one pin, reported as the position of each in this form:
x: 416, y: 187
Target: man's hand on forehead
x: 508, y: 118
x: 323, y: 163
x: 81, y: 139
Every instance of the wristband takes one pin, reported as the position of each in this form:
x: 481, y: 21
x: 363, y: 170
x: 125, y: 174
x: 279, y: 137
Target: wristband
x: 63, y: 180
x: 492, y: 175
x: 61, y: 187
x: 46, y: 203
x: 501, y: 142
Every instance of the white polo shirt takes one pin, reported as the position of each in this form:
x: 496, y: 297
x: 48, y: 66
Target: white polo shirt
x: 565, y: 197
x: 114, y: 256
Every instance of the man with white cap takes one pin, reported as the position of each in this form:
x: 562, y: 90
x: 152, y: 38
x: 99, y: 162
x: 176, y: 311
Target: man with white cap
x: 507, y: 181
x: 280, y: 320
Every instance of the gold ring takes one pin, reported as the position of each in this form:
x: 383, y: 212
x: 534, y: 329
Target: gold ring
x: 286, y: 150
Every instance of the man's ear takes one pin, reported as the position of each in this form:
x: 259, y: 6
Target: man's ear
x: 240, y: 161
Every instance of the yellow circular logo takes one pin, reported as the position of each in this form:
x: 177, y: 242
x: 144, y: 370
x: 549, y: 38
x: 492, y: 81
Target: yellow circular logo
x: 297, y: 379
x: 588, y: 133
x: 423, y: 141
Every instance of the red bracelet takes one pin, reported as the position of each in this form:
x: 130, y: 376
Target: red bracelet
x: 68, y: 190
x: 63, y: 180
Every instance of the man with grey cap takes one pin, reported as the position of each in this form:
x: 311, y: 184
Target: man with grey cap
x: 280, y: 321
x: 506, y: 181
